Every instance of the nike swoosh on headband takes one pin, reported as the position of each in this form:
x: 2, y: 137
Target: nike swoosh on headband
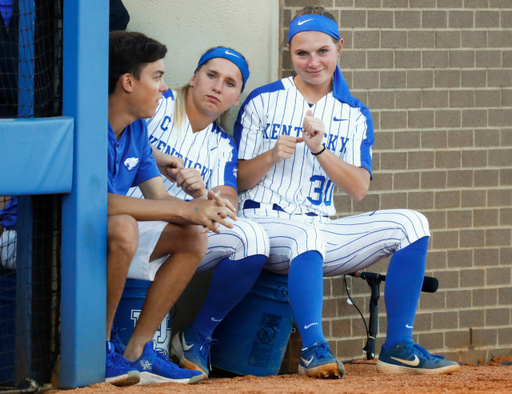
x: 232, y: 54
x: 302, y: 22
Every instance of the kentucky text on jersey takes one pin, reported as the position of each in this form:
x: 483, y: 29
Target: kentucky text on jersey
x: 300, y: 185
x: 163, y: 147
x: 274, y: 130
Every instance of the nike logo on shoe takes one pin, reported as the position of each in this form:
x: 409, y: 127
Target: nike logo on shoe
x: 302, y: 22
x: 185, y: 346
x: 214, y: 319
x: 408, y: 326
x: 309, y: 325
x: 413, y: 363
x: 307, y: 362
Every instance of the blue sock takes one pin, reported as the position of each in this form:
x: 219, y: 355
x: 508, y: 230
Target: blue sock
x: 404, y: 280
x: 306, y: 293
x: 231, y: 281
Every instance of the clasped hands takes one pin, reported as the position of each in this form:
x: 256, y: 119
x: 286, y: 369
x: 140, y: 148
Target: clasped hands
x: 191, y: 182
x: 313, y: 131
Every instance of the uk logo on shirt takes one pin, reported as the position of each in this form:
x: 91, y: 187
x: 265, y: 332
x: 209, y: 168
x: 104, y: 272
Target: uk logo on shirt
x: 131, y: 163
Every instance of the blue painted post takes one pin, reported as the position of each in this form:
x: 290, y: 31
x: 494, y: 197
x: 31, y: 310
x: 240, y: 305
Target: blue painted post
x: 26, y: 58
x: 84, y: 211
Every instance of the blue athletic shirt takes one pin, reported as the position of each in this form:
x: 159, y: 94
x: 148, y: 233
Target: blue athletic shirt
x: 130, y: 160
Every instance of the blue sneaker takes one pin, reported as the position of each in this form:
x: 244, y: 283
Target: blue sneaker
x: 412, y: 359
x: 118, y: 370
x: 318, y: 361
x: 119, y: 346
x: 156, y: 368
x: 193, y: 350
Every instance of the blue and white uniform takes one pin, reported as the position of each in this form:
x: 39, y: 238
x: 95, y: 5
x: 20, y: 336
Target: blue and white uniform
x: 213, y: 153
x: 294, y: 200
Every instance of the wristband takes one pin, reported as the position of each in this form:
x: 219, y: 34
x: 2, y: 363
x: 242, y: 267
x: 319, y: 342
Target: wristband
x: 317, y: 153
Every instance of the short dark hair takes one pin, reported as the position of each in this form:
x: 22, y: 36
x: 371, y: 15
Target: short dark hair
x: 129, y: 52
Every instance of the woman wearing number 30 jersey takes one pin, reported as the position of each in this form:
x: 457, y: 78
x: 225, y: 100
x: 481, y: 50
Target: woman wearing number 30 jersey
x: 297, y: 139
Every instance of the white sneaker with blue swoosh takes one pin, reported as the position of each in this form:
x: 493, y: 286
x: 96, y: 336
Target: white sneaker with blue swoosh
x: 317, y: 361
x: 412, y: 359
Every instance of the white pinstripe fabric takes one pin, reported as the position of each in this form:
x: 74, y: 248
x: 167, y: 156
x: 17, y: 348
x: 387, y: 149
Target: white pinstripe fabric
x: 299, y: 184
x: 245, y: 239
x: 211, y: 150
x: 347, y: 244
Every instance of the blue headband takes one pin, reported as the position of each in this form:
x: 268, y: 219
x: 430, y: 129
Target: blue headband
x: 230, y: 55
x: 313, y: 22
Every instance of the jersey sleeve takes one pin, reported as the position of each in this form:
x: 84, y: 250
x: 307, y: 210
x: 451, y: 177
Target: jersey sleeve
x: 249, y: 128
x: 147, y: 168
x: 224, y: 172
x: 358, y: 150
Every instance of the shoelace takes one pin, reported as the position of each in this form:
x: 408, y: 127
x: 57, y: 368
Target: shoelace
x: 118, y: 359
x: 204, y: 350
x: 116, y: 339
x: 426, y: 353
x: 165, y: 359
x: 321, y: 351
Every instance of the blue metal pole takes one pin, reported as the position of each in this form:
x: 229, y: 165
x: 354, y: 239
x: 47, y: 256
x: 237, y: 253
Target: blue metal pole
x: 26, y: 58
x: 84, y: 211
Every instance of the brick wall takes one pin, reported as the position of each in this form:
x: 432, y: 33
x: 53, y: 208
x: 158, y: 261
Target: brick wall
x: 437, y: 77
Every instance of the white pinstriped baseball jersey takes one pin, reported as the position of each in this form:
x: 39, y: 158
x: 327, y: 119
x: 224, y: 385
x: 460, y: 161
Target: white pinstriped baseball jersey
x: 299, y: 184
x: 293, y: 201
x: 212, y: 152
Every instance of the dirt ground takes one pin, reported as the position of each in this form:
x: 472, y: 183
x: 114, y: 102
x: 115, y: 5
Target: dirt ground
x: 361, y: 377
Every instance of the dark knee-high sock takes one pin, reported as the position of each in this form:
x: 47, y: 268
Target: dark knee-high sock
x: 404, y: 280
x: 306, y: 292
x: 231, y: 281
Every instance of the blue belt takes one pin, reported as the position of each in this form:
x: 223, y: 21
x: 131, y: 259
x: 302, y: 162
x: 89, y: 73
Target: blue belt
x: 250, y: 204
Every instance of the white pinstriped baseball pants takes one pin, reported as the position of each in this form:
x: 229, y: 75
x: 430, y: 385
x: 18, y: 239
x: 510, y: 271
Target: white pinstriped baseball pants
x: 347, y: 244
x: 245, y: 239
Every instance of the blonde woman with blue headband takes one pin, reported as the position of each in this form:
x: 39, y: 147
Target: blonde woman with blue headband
x: 298, y: 138
x: 196, y: 155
